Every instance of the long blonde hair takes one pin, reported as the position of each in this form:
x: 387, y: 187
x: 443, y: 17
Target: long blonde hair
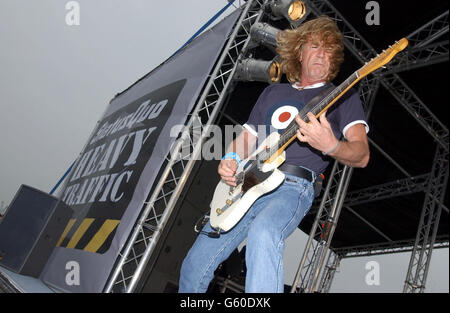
x: 290, y: 44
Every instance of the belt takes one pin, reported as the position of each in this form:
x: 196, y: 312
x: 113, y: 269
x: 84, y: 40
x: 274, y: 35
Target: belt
x: 297, y: 171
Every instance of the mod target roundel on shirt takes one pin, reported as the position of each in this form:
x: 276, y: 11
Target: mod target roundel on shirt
x: 283, y: 116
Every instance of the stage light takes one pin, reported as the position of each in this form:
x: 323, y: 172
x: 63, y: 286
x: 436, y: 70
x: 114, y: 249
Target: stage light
x: 265, y: 34
x: 295, y: 11
x: 259, y: 70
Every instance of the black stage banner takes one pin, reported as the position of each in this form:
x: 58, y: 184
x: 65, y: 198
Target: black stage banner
x: 114, y: 173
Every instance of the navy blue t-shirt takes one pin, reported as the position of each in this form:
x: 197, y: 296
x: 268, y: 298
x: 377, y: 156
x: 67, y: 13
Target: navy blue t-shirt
x: 277, y: 106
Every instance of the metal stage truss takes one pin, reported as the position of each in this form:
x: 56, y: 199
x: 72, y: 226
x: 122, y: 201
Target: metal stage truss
x: 428, y: 45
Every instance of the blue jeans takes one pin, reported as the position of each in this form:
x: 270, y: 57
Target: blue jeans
x: 266, y: 225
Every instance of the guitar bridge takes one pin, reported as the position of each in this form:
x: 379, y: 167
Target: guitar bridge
x: 228, y: 203
x: 239, y: 178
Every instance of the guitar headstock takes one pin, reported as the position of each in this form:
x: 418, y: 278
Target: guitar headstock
x: 385, y: 57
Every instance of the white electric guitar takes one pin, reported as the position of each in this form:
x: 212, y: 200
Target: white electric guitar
x: 258, y: 174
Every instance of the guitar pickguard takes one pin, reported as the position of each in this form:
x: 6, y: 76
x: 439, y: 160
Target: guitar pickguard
x: 253, y: 178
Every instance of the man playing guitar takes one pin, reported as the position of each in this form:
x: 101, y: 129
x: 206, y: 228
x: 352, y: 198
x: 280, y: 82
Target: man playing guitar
x: 312, y: 55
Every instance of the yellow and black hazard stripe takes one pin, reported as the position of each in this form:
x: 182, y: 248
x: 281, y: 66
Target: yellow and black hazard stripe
x: 88, y: 234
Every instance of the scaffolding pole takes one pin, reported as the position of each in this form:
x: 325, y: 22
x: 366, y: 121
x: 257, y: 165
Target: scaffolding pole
x: 429, y: 223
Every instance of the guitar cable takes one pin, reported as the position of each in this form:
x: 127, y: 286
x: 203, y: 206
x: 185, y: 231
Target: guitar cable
x: 203, y: 220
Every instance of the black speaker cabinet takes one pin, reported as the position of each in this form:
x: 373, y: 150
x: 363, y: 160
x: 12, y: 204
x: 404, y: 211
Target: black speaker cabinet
x: 30, y: 229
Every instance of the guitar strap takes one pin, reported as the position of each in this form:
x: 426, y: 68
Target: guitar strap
x: 314, y: 101
x: 311, y: 104
x: 307, y: 108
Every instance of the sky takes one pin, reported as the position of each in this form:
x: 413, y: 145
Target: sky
x: 56, y: 80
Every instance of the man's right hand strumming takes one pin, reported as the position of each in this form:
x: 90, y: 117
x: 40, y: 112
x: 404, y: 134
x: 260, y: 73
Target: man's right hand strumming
x: 227, y: 170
